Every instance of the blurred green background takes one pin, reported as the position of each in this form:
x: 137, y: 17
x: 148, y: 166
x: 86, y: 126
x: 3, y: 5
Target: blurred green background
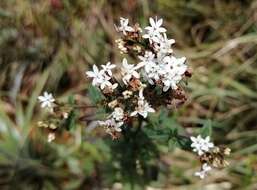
x: 49, y: 44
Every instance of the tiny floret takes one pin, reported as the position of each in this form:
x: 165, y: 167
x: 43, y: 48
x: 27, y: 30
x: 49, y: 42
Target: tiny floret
x: 47, y: 100
x: 143, y: 107
x: 124, y: 27
x: 205, y: 169
x: 129, y: 71
x: 108, y: 68
x: 201, y: 145
x: 100, y: 77
x: 154, y: 30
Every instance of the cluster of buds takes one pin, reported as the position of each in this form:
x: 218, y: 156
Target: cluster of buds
x: 153, y: 80
x: 210, y: 156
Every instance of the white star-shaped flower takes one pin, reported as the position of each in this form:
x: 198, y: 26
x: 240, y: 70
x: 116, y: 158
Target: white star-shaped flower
x: 156, y: 25
x: 143, y: 110
x: 112, y: 123
x: 205, y: 169
x: 164, y: 45
x: 154, y: 30
x: 206, y: 144
x: 174, y: 70
x: 46, y: 100
x: 129, y: 70
x: 201, y: 174
x: 99, y: 78
x: 107, y: 83
x: 143, y: 107
x: 201, y: 145
x: 108, y: 68
x: 147, y: 58
x: 124, y: 27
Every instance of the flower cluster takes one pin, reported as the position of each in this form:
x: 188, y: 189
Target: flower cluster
x: 159, y: 65
x: 58, y: 114
x: 210, y: 155
x: 151, y: 81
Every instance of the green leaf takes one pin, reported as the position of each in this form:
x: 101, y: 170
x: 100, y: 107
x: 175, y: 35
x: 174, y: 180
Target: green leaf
x: 206, y: 130
x: 184, y: 142
x: 94, y: 94
x: 71, y: 120
x: 172, y: 143
x: 71, y: 100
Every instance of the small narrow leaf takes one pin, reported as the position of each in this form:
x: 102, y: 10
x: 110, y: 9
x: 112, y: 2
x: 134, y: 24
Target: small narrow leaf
x: 70, y: 122
x: 206, y: 130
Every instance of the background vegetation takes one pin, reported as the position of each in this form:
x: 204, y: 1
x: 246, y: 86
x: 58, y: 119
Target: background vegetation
x: 49, y: 44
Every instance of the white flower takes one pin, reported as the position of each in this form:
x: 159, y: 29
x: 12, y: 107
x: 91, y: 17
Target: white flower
x: 201, y: 145
x: 118, y: 114
x: 115, y: 121
x: 129, y: 70
x: 201, y: 174
x: 107, y: 83
x: 205, y: 168
x: 99, y: 77
x: 108, y: 68
x: 206, y: 144
x: 143, y: 107
x: 156, y: 25
x: 175, y: 69
x: 124, y: 26
x: 168, y: 69
x: 46, y: 100
x: 112, y: 123
x: 148, y: 58
x: 152, y: 37
x: 150, y: 67
x: 164, y: 45
x: 117, y: 126
x: 50, y: 137
x: 154, y: 30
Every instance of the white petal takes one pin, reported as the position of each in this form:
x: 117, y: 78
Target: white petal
x: 129, y: 29
x: 41, y: 98
x: 162, y: 30
x: 90, y: 74
x: 95, y: 69
x: 136, y: 74
x: 134, y: 113
x: 193, y: 139
x: 151, y: 20
x: 165, y: 88
x: 149, y: 28
x: 144, y: 114
x: 151, y: 110
x: 159, y: 22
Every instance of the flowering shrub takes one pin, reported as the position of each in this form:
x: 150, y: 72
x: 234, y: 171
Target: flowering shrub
x: 150, y: 79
